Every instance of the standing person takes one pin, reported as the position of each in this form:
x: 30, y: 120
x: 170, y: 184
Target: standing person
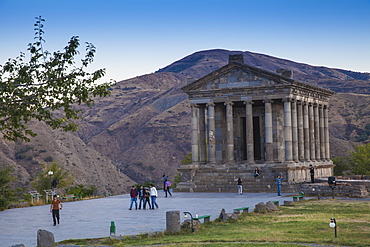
x: 256, y: 172
x: 167, y: 188
x: 153, y: 195
x: 164, y: 179
x: 146, y: 198
x: 312, y: 172
x: 133, y: 195
x: 278, y: 181
x: 141, y: 196
x: 55, y: 206
x: 240, y: 187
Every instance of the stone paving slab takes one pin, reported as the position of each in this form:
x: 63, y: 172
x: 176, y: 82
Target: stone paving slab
x: 92, y: 218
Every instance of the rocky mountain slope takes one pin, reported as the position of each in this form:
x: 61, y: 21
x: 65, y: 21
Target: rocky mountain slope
x: 143, y: 129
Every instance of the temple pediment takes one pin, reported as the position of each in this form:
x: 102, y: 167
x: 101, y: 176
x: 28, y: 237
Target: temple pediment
x: 238, y: 75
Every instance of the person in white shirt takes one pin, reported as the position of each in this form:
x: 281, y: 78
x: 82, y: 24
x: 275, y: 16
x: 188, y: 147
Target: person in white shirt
x: 153, y: 195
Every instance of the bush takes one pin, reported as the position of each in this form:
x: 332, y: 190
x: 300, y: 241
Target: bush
x: 4, y: 203
x: 82, y: 190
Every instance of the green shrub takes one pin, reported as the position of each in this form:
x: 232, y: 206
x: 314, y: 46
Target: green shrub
x: 4, y: 203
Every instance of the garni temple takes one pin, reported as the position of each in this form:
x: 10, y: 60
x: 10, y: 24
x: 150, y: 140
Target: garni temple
x: 245, y: 118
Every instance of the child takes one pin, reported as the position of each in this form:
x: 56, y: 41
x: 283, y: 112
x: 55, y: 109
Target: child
x: 146, y: 198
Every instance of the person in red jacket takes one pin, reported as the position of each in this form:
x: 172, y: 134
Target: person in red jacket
x: 133, y: 195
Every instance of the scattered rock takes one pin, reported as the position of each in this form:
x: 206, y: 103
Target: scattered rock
x: 260, y: 208
x: 270, y: 206
x: 187, y: 224
x: 45, y: 238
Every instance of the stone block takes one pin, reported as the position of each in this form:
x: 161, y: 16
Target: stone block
x: 260, y: 208
x: 45, y: 238
x: 173, y: 221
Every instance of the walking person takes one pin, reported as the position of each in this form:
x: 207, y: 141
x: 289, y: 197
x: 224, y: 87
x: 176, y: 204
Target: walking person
x: 141, y: 196
x: 146, y: 199
x: 55, y: 206
x: 153, y: 195
x: 278, y: 182
x: 164, y: 179
x: 312, y: 173
x: 240, y: 187
x: 167, y: 188
x: 133, y: 195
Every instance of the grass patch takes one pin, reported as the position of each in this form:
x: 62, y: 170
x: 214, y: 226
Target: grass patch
x: 305, y: 222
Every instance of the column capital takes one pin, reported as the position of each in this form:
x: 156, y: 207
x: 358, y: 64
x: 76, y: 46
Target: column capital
x: 288, y: 99
x: 194, y: 105
x: 248, y: 102
x: 229, y: 103
x: 267, y: 101
x: 210, y: 104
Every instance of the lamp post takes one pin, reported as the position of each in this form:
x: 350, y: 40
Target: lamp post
x: 333, y: 224
x: 50, y: 173
x: 313, y: 192
x: 191, y: 217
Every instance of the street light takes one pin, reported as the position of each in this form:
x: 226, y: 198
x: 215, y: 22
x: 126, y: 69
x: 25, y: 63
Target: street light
x: 191, y: 217
x: 313, y: 192
x: 333, y: 224
x: 50, y: 173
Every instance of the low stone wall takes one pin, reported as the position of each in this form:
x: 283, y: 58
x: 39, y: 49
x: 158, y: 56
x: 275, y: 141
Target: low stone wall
x: 346, y: 186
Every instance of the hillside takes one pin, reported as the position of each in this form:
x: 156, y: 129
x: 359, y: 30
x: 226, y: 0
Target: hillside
x: 143, y: 129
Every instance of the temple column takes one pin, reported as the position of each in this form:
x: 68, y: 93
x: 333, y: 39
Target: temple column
x: 194, y: 133
x: 268, y: 131
x: 317, y: 131
x: 306, y: 132
x: 230, y: 131
x: 326, y: 130
x: 288, y: 130
x: 202, y: 135
x: 249, y: 131
x: 322, y: 132
x: 294, y: 130
x: 300, y: 131
x: 211, y: 133
x: 312, y: 131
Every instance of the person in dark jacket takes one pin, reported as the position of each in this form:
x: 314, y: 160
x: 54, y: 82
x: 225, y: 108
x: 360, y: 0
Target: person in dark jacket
x: 312, y: 173
x: 133, y: 195
x: 141, y: 196
x: 146, y: 199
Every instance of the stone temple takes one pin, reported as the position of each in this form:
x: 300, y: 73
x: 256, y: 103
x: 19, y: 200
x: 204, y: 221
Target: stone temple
x: 245, y: 117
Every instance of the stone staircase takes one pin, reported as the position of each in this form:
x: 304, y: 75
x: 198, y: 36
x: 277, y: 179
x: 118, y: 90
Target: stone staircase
x: 221, y: 179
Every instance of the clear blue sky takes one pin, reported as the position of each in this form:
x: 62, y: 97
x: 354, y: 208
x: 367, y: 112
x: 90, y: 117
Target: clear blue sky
x: 137, y: 37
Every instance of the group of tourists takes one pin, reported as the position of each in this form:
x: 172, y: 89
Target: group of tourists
x: 148, y: 195
x: 278, y: 180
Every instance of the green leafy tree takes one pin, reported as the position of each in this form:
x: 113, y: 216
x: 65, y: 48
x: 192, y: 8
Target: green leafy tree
x: 340, y: 166
x: 46, y: 83
x: 7, y: 194
x: 358, y: 161
x: 82, y: 190
x: 43, y: 180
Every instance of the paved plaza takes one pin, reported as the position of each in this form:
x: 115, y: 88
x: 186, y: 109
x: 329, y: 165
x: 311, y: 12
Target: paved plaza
x: 92, y: 218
